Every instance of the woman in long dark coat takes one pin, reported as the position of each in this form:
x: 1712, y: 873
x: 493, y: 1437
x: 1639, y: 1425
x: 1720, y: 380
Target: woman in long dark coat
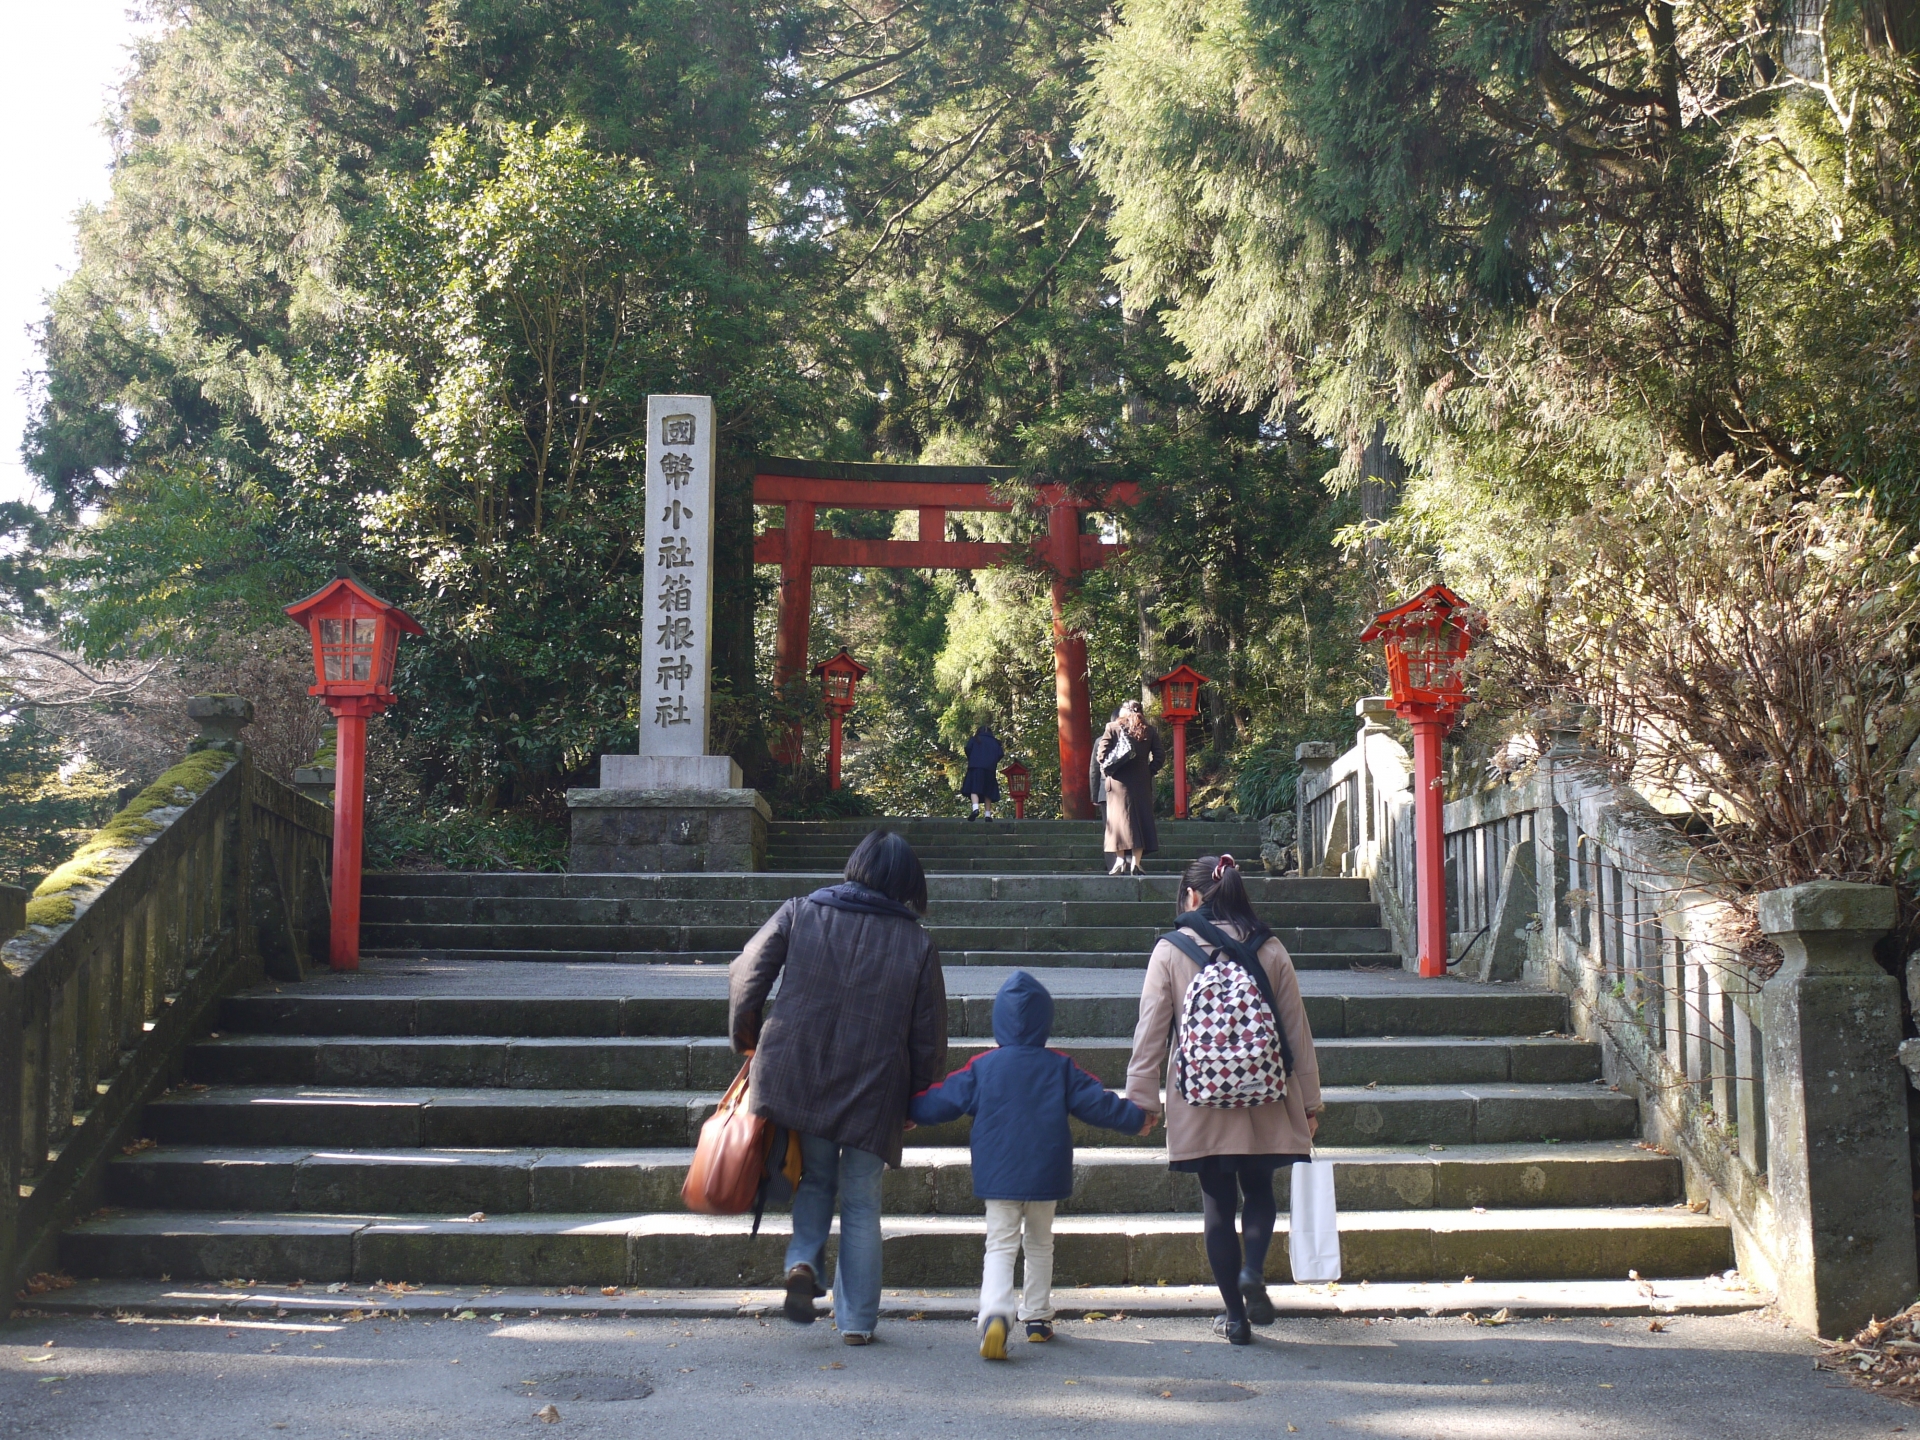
x: 1131, y: 834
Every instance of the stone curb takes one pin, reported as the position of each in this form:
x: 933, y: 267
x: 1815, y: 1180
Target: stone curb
x: 311, y: 1304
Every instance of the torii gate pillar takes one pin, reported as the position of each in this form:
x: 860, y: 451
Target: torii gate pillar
x: 1070, y: 669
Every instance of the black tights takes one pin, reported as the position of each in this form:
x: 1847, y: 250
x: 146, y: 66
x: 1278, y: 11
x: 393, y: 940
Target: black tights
x: 1222, y: 1183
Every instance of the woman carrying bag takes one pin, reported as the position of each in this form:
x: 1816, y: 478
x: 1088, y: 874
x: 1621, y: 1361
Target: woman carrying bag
x: 860, y: 1027
x: 1227, y: 1121
x: 1127, y: 756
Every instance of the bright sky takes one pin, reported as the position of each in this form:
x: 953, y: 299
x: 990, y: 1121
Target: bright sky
x: 57, y: 69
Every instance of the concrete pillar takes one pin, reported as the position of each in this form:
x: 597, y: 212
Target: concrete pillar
x: 1838, y: 1165
x: 1315, y: 757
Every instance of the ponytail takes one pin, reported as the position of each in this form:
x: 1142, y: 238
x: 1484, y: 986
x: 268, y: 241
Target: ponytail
x: 1217, y: 880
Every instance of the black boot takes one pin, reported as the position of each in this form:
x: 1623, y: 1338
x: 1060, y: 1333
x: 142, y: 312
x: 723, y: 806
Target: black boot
x: 802, y: 1291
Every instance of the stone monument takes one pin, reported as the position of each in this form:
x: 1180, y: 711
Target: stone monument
x: 673, y: 806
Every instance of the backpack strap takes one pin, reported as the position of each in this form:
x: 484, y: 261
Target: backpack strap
x: 1241, y: 953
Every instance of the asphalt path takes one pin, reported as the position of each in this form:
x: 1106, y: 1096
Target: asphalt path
x: 1744, y: 1377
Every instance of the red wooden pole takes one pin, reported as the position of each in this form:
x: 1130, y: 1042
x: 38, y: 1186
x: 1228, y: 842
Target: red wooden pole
x: 1179, y: 769
x: 349, y: 793
x: 796, y: 616
x: 1430, y: 843
x: 1019, y: 807
x: 833, y: 752
x: 1071, y: 704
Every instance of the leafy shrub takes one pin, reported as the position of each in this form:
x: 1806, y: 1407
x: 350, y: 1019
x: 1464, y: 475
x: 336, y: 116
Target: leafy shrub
x: 461, y: 839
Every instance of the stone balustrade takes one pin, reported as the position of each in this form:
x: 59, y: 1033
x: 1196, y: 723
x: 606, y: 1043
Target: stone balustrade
x: 212, y: 876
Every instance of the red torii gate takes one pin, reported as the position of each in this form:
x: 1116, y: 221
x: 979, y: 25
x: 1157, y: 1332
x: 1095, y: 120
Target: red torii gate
x: 803, y: 486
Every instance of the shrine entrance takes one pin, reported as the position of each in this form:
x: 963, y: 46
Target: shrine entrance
x: 804, y: 486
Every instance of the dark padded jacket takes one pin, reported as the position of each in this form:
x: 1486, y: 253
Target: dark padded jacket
x: 861, y: 1020
x: 1020, y: 1095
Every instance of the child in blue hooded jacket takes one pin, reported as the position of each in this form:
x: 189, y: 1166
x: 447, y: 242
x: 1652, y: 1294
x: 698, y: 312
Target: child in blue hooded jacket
x: 1020, y: 1095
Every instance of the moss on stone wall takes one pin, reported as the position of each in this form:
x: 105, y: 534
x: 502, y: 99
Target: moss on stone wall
x: 53, y: 903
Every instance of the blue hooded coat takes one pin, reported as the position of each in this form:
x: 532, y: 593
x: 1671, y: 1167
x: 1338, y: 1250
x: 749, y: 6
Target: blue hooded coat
x: 1020, y: 1096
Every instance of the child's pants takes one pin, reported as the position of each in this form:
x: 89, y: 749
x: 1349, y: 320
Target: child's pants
x: 1004, y: 1220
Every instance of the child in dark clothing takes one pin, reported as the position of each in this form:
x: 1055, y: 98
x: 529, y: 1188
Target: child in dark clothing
x: 1020, y: 1095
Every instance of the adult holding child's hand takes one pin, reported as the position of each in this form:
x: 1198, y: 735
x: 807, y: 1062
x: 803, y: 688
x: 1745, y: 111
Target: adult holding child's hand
x: 861, y: 1027
x: 1230, y: 1120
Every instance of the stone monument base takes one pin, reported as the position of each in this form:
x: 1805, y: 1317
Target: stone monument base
x: 650, y: 831
x: 669, y: 772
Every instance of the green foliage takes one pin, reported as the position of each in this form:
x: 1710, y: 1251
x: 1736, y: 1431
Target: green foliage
x: 47, y: 804
x: 460, y: 838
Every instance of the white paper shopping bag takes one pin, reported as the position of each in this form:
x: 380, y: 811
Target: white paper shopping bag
x: 1313, y: 1233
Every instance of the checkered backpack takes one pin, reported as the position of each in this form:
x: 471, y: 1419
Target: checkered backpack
x: 1232, y: 1051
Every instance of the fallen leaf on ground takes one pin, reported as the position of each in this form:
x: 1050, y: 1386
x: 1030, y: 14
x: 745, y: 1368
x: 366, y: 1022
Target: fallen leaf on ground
x: 1657, y: 1327
x: 137, y: 1146
x: 610, y: 1290
x: 547, y: 1415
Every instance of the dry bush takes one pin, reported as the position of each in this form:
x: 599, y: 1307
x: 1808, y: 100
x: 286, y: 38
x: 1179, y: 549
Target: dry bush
x: 273, y: 669
x: 1742, y: 640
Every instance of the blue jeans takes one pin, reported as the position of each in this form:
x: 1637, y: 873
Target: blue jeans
x: 853, y: 1175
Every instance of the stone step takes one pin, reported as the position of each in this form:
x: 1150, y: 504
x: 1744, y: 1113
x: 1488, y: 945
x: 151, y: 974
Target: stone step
x: 929, y: 1181
x: 659, y: 1250
x: 1093, y: 865
x: 502, y: 1116
x: 1157, y: 914
x: 704, y: 1064
x: 497, y: 998
x: 1022, y: 959
x: 704, y: 885
x: 919, y: 827
x: 640, y: 938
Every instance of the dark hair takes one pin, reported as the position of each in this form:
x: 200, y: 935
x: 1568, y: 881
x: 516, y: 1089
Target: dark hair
x: 885, y: 862
x: 1133, y: 719
x: 1225, y: 897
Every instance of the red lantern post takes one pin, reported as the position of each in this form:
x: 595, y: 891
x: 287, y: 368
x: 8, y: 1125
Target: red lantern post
x: 1180, y: 702
x: 1426, y: 639
x: 356, y: 636
x: 838, y: 677
x: 1018, y: 785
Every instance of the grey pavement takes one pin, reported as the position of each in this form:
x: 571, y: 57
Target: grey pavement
x: 1743, y: 1377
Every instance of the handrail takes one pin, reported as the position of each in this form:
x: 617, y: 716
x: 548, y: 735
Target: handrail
x: 1566, y: 879
x: 211, y: 877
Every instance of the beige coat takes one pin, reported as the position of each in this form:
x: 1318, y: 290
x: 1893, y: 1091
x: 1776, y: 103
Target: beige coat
x: 1195, y: 1132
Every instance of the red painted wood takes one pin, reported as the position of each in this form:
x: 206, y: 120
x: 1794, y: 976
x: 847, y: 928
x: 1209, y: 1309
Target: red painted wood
x: 349, y: 796
x: 933, y: 524
x: 1074, y: 717
x: 1179, y: 769
x: 796, y: 613
x: 769, y: 489
x: 769, y: 548
x: 833, y: 751
x: 1430, y: 841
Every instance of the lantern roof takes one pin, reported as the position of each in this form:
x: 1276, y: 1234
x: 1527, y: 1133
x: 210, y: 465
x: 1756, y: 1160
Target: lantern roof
x: 1012, y: 766
x: 1434, y: 602
x: 840, y: 664
x: 332, y: 593
x: 1182, y: 672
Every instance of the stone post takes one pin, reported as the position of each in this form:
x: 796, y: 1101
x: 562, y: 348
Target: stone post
x: 1838, y: 1166
x: 221, y: 718
x: 1316, y: 757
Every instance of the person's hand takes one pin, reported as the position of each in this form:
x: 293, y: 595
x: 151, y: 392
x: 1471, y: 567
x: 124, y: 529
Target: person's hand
x: 1313, y: 1125
x: 912, y: 1126
x: 1152, y: 1120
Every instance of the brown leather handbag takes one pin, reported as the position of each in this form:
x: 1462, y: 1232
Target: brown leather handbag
x: 730, y: 1162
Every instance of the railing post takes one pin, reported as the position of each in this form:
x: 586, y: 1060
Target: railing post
x: 1315, y: 758
x: 11, y: 1099
x: 1837, y: 1158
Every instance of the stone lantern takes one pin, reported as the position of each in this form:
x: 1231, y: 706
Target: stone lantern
x: 1426, y: 640
x: 1180, y: 702
x: 838, y: 677
x: 356, y: 638
x: 1019, y: 785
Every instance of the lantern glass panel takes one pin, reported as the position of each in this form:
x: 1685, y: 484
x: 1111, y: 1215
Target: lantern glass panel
x: 346, y: 649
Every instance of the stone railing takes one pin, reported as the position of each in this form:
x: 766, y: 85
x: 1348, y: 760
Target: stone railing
x: 1567, y: 880
x: 212, y: 876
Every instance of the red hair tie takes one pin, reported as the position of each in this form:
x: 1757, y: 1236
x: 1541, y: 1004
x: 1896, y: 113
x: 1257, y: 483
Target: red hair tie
x: 1225, y: 863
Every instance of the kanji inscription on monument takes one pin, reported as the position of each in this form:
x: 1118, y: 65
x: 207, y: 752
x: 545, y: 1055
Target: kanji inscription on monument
x: 677, y: 651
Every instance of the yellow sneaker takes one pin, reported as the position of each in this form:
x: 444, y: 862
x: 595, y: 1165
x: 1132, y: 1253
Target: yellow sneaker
x: 993, y: 1340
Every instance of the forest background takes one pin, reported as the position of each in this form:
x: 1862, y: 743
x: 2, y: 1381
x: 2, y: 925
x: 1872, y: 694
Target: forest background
x: 385, y: 285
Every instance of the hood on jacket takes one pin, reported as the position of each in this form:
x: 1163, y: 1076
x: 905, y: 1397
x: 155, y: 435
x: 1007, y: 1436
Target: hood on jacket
x: 1022, y: 1011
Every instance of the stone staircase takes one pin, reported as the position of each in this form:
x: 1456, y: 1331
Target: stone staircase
x: 1007, y: 847
x: 539, y: 1050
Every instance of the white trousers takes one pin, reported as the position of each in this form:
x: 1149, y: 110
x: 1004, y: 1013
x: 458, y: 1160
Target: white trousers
x: 1005, y: 1222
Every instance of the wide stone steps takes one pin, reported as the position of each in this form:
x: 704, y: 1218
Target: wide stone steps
x: 495, y: 1116
x: 699, y: 886
x: 1030, y: 846
x: 930, y: 1181
x: 664, y: 1249
x: 1153, y: 914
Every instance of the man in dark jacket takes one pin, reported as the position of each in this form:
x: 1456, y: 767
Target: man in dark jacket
x: 1020, y: 1095
x: 861, y: 1026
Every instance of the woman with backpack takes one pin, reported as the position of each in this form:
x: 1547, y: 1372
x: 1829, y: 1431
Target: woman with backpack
x: 1241, y: 1099
x: 860, y: 1028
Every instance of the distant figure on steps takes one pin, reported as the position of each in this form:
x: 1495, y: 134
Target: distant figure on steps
x: 1127, y: 756
x: 982, y: 785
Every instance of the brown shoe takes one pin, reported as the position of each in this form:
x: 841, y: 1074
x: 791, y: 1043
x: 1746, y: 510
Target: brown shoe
x: 802, y: 1291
